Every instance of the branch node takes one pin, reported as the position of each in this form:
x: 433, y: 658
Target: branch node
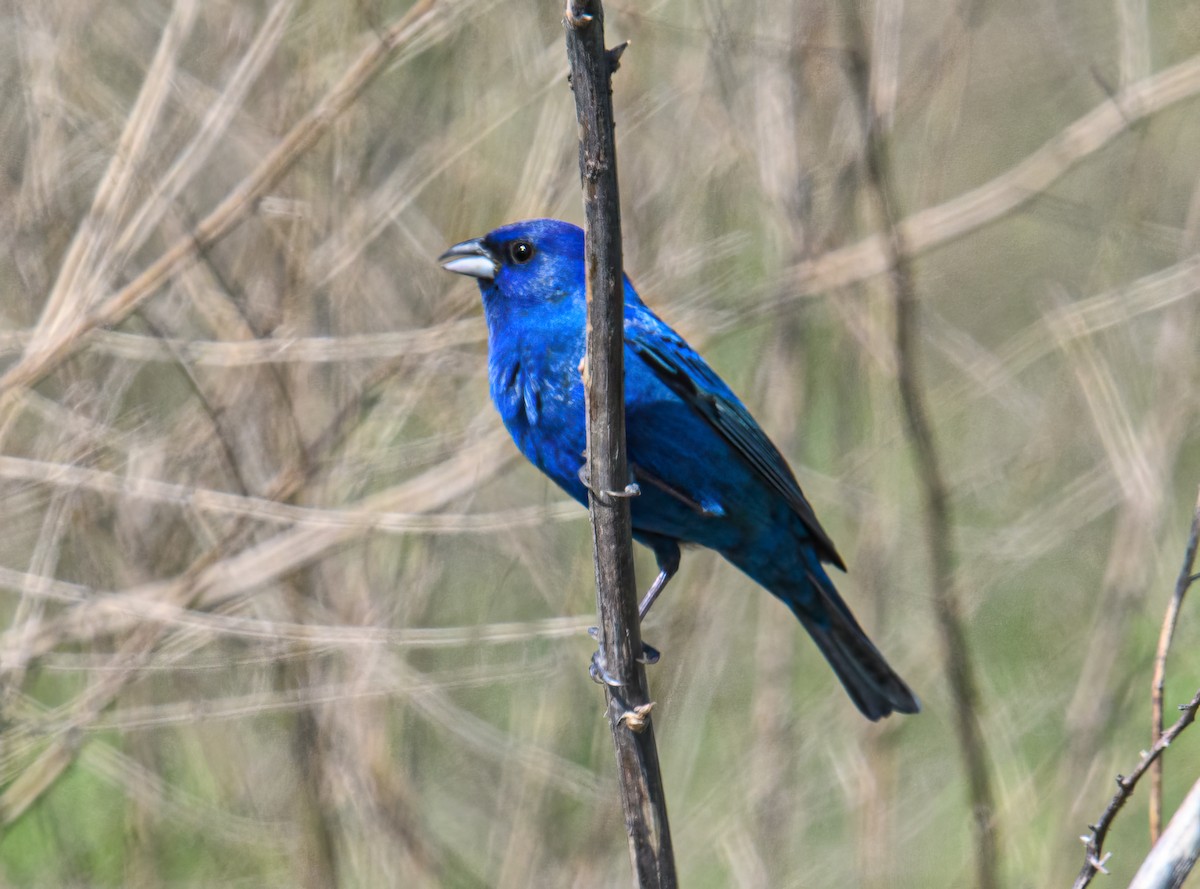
x: 637, y: 719
x: 578, y: 19
x: 614, y: 56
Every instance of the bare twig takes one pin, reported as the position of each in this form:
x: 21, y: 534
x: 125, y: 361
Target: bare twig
x: 939, y: 525
x: 262, y: 509
x: 1094, y: 844
x: 1160, y: 667
x: 939, y: 537
x: 642, y: 795
x: 279, y: 349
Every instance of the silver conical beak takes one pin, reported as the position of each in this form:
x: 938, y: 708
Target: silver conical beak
x: 470, y: 258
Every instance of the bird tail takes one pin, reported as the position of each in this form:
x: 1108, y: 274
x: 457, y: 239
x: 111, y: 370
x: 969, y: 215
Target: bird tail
x: 870, y: 681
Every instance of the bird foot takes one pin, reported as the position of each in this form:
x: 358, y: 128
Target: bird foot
x: 598, y: 669
x: 630, y: 490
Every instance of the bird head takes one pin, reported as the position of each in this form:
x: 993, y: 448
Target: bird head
x: 523, y: 265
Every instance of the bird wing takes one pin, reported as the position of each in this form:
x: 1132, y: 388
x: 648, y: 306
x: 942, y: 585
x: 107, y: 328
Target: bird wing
x: 686, y: 374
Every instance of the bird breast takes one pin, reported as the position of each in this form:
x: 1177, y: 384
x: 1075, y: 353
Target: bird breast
x: 539, y: 395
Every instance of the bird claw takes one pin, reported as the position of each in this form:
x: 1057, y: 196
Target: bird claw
x: 631, y: 490
x: 600, y: 674
x: 649, y: 655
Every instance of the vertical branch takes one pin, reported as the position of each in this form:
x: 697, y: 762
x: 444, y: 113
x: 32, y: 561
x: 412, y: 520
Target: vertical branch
x: 939, y: 525
x: 1160, y: 668
x: 939, y: 535
x: 641, y: 789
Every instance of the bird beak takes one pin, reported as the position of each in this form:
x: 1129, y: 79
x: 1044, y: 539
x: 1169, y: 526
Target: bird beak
x: 471, y: 258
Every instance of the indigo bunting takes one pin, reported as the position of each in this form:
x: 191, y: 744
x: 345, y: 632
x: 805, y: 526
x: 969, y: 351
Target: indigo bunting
x: 706, y: 471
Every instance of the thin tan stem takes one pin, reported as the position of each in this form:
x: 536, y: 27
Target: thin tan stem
x: 1160, y: 668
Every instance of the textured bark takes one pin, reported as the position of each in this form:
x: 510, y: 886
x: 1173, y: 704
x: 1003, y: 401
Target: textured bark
x: 641, y: 789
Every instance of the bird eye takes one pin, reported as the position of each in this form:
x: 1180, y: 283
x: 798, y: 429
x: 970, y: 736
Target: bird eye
x: 520, y: 252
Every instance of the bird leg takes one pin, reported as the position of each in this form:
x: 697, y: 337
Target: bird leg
x: 660, y: 583
x: 666, y: 553
x: 668, y: 565
x: 667, y: 556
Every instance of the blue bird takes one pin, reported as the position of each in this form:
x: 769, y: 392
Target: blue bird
x: 707, y: 473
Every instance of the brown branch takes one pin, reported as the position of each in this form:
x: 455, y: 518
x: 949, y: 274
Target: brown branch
x: 639, y: 778
x: 1094, y: 844
x: 939, y: 537
x: 1160, y: 667
x: 939, y: 525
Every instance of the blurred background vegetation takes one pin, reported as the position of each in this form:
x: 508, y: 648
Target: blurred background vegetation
x: 280, y: 605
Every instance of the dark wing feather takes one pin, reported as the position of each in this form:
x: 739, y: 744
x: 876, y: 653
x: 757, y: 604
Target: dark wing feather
x: 686, y: 374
